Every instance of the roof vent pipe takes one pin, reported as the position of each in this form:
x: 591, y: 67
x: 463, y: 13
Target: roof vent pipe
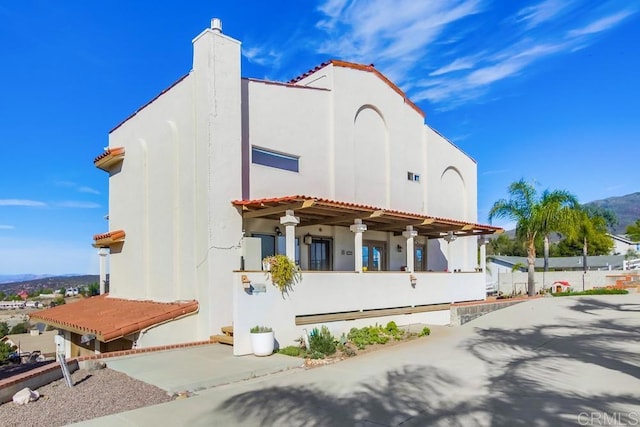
x: 216, y: 25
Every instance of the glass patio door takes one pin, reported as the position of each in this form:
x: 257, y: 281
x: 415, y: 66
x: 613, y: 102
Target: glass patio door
x: 320, y: 254
x: 374, y: 255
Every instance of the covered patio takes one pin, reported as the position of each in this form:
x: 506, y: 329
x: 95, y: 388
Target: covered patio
x: 305, y: 212
x: 350, y: 295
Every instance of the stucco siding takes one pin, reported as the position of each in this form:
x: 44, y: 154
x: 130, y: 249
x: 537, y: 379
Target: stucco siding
x: 293, y: 121
x: 144, y: 199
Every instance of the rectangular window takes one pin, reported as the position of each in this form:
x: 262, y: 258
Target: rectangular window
x: 413, y: 177
x: 261, y: 156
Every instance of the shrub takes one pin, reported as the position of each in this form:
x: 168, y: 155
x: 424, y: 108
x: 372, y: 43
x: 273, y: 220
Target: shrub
x: 292, y: 350
x: 424, y: 332
x: 600, y: 291
x: 260, y: 329
x: 5, y: 351
x: 321, y: 341
x: 4, y: 329
x: 20, y: 328
x: 284, y: 272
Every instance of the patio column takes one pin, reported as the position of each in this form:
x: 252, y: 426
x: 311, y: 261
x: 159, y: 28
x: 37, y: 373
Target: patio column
x: 358, y: 228
x: 450, y: 237
x: 483, y: 254
x: 410, y: 234
x: 102, y: 253
x: 289, y: 221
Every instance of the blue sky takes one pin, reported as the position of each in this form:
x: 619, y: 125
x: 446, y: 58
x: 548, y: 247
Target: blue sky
x: 542, y: 90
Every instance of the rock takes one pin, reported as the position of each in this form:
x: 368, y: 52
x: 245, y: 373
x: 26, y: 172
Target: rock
x: 25, y: 396
x: 94, y: 365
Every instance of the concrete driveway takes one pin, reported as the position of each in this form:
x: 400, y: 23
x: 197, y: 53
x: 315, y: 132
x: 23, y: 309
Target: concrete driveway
x: 545, y: 362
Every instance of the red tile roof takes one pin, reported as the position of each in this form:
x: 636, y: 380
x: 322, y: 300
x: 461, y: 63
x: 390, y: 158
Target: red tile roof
x: 319, y: 210
x: 112, y: 318
x: 369, y: 68
x: 109, y: 238
x: 110, y: 157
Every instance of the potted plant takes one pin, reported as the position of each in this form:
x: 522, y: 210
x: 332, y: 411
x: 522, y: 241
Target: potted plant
x: 262, y: 340
x: 284, y: 272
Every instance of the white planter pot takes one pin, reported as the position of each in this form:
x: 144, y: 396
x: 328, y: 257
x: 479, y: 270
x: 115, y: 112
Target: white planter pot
x: 262, y: 343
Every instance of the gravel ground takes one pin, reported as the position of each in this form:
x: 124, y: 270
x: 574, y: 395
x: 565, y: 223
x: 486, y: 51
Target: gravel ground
x: 96, y: 393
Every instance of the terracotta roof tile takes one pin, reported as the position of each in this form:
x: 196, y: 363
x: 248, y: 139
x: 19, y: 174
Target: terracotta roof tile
x: 109, y: 238
x: 332, y: 211
x: 369, y: 68
x: 110, y: 157
x: 112, y: 318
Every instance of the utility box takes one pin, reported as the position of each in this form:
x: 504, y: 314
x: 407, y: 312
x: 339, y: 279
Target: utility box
x: 252, y: 253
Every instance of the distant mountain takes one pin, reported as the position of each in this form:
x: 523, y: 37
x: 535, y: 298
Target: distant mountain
x: 8, y: 278
x: 626, y: 208
x: 48, y: 282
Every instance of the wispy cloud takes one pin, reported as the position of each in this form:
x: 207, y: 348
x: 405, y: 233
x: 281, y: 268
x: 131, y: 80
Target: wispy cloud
x: 78, y: 205
x: 600, y: 25
x: 457, y: 65
x: 85, y: 189
x: 387, y: 31
x: 494, y: 172
x: 77, y: 187
x: 410, y: 41
x: 22, y: 202
x: 263, y: 55
x: 6, y: 227
x: 545, y: 11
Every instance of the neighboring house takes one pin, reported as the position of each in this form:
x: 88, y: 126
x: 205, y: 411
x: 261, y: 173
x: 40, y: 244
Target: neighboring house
x: 508, y: 274
x: 622, y: 244
x: 34, y: 341
x: 336, y: 169
x: 572, y: 263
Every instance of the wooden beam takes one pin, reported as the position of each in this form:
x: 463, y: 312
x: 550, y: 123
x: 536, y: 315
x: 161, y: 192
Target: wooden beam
x: 349, y: 218
x: 257, y: 213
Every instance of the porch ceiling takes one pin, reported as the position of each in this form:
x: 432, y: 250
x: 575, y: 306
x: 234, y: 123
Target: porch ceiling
x: 319, y: 211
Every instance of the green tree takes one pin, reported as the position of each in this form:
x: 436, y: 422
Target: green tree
x: 609, y: 216
x: 4, y: 329
x: 20, y: 328
x: 5, y: 351
x: 504, y: 245
x: 633, y: 231
x: 590, y: 232
x: 560, y: 214
x: 532, y: 216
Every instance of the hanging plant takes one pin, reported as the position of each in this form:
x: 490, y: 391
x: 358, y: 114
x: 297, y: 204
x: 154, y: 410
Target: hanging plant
x: 284, y: 272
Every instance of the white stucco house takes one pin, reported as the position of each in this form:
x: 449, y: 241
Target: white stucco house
x: 335, y: 168
x: 622, y: 244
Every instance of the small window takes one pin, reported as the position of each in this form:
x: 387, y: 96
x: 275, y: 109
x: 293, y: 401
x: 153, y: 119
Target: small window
x: 413, y: 177
x: 260, y: 156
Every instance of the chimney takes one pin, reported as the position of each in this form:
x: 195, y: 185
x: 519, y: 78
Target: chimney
x: 216, y: 25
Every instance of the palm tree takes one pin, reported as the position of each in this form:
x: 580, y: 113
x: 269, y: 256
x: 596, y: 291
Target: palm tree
x: 534, y: 216
x: 590, y: 226
x: 560, y: 214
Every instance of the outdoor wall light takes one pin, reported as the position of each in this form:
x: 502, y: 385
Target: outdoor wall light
x: 399, y: 248
x: 278, y: 232
x: 307, y: 239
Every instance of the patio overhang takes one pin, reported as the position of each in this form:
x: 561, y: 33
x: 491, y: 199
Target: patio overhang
x: 320, y: 211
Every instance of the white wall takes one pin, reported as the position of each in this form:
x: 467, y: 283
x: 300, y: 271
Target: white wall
x: 164, y: 334
x: 173, y: 192
x: 507, y: 281
x: 321, y: 293
x: 146, y: 200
